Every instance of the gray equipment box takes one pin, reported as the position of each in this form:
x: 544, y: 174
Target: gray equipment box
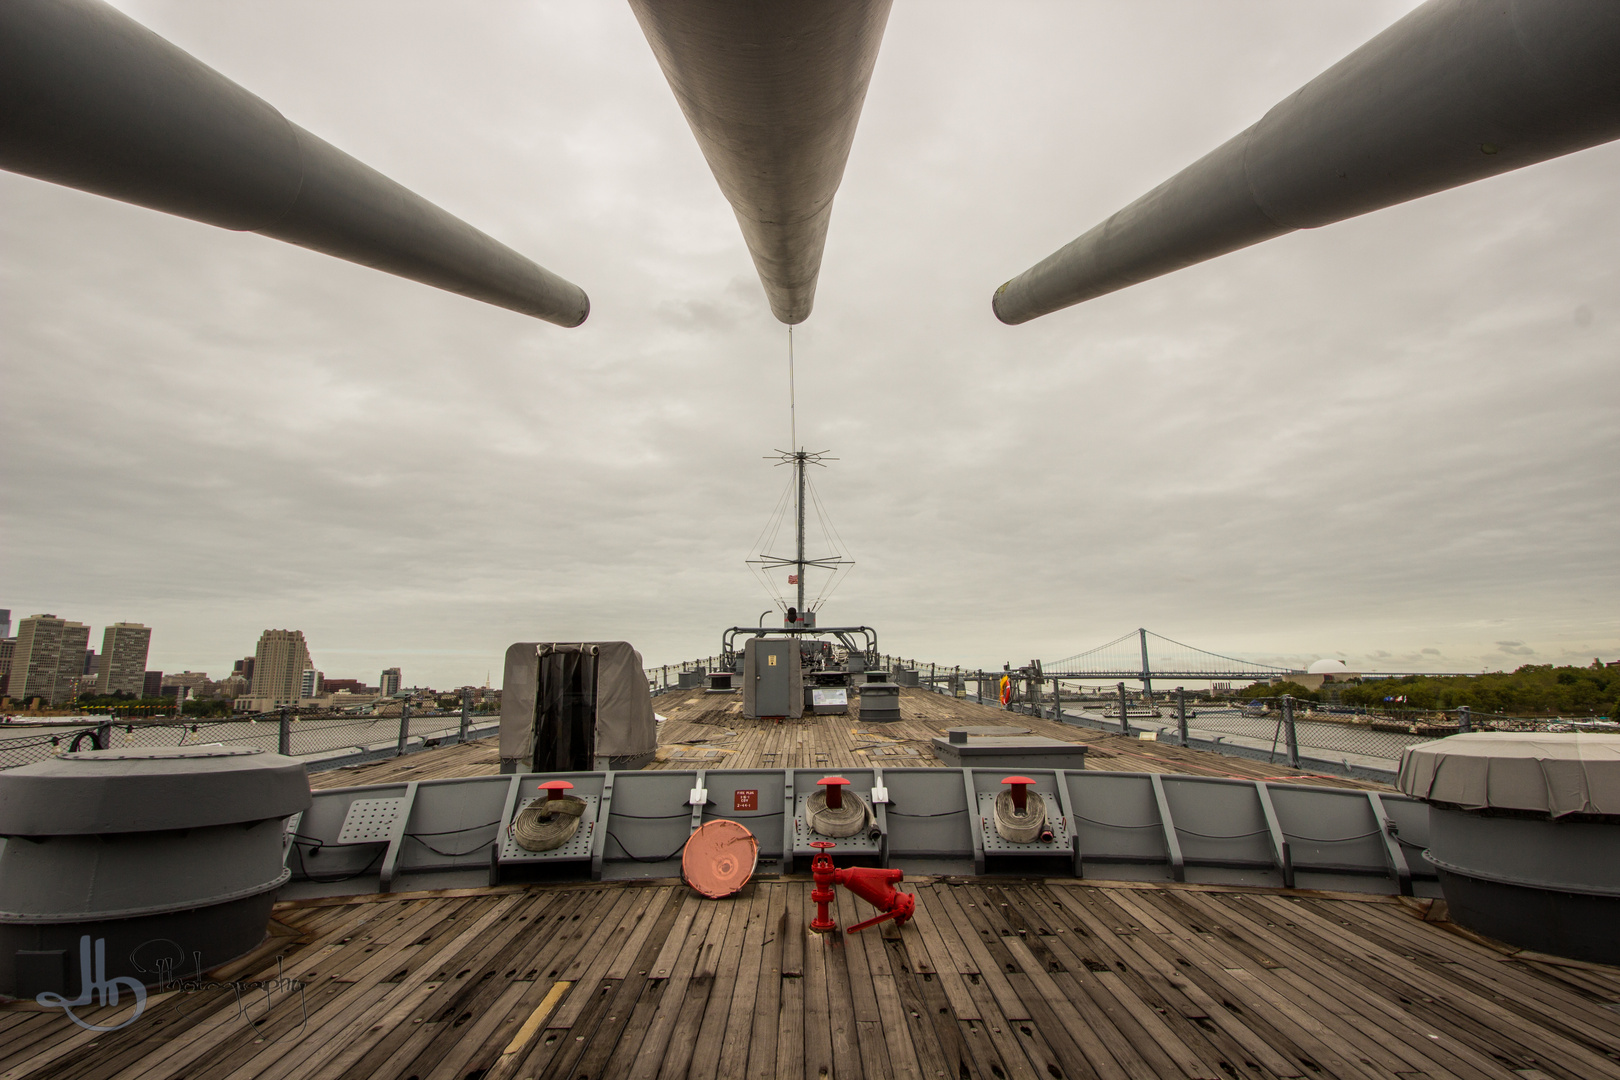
x: 773, y: 679
x: 1009, y: 752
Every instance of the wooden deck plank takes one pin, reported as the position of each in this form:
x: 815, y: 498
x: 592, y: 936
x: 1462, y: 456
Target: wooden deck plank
x: 699, y: 992
x: 1309, y: 1031
x: 745, y: 919
x: 650, y: 1055
x: 1319, y: 980
x: 1135, y: 955
x: 701, y: 733
x: 1126, y: 981
x: 1060, y: 952
x: 761, y: 1043
x: 1470, y: 1011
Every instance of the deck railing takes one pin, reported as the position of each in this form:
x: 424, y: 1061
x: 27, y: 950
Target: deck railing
x: 321, y: 740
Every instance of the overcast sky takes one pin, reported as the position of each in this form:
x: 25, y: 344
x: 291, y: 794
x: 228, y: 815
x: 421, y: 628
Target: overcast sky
x: 1391, y: 440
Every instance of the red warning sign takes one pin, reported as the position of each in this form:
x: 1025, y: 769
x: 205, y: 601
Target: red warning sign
x: 747, y: 799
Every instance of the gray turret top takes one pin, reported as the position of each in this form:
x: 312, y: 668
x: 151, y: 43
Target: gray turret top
x: 149, y: 789
x: 1556, y: 774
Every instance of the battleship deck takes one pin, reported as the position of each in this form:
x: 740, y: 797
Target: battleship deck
x: 708, y: 731
x: 995, y: 978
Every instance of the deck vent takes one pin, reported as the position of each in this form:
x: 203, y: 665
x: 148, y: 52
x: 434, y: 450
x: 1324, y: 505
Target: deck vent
x: 1524, y: 829
x: 880, y: 701
x: 171, y: 857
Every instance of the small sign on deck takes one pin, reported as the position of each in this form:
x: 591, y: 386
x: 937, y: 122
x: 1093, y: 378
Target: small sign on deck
x: 746, y: 799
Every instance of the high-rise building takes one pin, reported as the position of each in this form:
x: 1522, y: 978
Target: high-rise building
x: 388, y: 685
x: 311, y: 683
x: 5, y: 622
x: 122, y: 669
x: 8, y: 646
x: 70, y: 677
x: 278, y: 667
x: 152, y: 684
x: 244, y: 669
x: 48, y: 659
x: 90, y: 659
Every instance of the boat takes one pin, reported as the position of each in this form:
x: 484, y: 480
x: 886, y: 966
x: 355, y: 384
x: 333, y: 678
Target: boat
x: 1134, y: 709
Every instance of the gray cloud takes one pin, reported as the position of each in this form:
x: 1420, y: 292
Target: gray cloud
x: 1369, y: 440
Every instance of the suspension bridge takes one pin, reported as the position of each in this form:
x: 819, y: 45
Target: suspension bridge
x: 1142, y: 655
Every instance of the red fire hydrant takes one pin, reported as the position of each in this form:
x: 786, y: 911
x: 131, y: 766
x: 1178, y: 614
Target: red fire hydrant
x: 821, y: 868
x: 874, y: 886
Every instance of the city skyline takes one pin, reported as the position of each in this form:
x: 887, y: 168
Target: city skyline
x: 56, y: 665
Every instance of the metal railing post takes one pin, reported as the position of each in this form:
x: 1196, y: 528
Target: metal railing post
x: 284, y: 734
x: 1288, y: 726
x: 404, y: 726
x: 1181, y: 715
x: 1124, y: 712
x: 466, y: 712
x: 1465, y: 721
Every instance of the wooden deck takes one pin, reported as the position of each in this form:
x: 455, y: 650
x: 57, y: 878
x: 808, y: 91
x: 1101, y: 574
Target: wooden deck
x: 480, y: 757
x: 708, y: 731
x: 996, y: 978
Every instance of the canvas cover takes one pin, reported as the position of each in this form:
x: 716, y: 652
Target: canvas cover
x: 1556, y: 774
x: 624, y: 721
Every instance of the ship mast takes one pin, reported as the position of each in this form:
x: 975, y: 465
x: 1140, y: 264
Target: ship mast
x: 798, y: 467
x: 800, y: 562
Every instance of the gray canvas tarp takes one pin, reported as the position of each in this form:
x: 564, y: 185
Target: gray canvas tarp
x: 624, y: 721
x: 1556, y: 774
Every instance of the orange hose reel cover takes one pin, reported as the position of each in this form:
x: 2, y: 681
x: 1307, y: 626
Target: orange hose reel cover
x: 719, y: 858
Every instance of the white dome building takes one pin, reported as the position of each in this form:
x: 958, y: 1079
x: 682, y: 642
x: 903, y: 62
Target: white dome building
x: 1325, y: 671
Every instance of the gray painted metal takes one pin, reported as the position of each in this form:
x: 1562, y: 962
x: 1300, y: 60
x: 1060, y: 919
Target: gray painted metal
x: 773, y: 678
x: 773, y: 93
x: 1135, y: 826
x: 1549, y: 884
x: 1456, y: 91
x: 92, y: 100
x: 128, y: 790
x: 1012, y: 751
x: 170, y: 858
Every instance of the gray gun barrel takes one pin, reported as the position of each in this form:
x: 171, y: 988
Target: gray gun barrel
x: 773, y: 92
x: 91, y: 99
x: 1456, y: 91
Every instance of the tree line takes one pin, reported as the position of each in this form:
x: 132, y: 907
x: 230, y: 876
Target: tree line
x: 1531, y: 689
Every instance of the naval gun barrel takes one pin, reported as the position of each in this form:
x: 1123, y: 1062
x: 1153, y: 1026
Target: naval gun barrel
x: 773, y: 92
x: 1456, y: 91
x: 90, y: 99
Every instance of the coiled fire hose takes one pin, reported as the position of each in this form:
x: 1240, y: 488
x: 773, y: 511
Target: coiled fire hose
x: 847, y: 820
x: 547, y: 824
x: 1020, y: 828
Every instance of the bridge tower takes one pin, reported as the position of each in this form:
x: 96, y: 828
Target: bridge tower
x: 1147, y: 672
